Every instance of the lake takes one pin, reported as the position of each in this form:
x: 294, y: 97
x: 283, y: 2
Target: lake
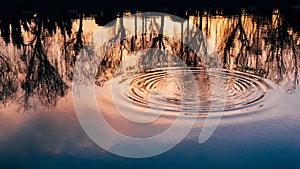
x: 197, y: 88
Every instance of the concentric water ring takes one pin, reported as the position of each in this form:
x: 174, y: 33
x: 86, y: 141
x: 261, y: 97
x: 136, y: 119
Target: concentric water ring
x: 157, y: 89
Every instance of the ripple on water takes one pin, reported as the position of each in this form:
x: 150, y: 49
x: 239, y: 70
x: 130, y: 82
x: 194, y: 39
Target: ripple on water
x: 181, y: 90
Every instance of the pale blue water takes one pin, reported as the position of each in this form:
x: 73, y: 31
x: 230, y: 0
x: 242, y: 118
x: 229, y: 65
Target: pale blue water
x: 43, y: 141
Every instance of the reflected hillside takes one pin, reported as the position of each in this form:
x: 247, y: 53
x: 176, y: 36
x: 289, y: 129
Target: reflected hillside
x: 38, y: 53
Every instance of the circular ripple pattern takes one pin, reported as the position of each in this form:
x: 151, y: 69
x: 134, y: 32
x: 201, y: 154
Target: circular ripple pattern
x: 162, y: 90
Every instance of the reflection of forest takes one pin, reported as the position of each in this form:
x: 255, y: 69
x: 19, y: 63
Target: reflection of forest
x: 264, y: 45
x: 37, y: 57
x: 38, y: 54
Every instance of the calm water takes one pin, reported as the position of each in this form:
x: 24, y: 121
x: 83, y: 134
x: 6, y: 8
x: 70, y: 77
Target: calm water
x: 249, y: 59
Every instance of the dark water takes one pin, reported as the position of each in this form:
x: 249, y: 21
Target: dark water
x: 256, y: 71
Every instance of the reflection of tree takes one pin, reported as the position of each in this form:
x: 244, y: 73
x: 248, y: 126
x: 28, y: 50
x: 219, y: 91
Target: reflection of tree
x: 266, y: 49
x: 8, y: 80
x: 78, y: 42
x: 281, y: 52
x: 73, y: 46
x: 277, y: 36
x: 114, y: 53
x: 42, y: 79
x: 157, y: 40
x: 239, y: 32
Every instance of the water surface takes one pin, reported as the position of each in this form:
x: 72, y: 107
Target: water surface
x: 257, y: 64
